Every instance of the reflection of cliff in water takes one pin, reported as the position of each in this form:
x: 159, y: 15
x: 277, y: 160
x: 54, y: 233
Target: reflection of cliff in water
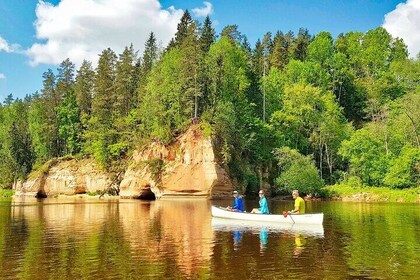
x: 178, y: 230
x: 109, y: 239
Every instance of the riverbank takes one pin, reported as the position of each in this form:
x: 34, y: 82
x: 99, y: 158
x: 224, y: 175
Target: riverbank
x: 372, y: 194
x: 6, y: 193
x: 336, y: 192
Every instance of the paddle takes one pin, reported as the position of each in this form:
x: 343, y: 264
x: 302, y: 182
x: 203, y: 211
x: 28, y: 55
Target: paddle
x: 285, y: 213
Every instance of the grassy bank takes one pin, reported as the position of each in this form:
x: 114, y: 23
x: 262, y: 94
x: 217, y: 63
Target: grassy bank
x: 362, y: 193
x: 6, y: 193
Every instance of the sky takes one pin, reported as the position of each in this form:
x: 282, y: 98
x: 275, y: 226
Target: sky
x: 36, y: 35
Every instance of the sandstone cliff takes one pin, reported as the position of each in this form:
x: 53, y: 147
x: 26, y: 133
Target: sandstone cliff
x: 186, y: 167
x: 64, y: 176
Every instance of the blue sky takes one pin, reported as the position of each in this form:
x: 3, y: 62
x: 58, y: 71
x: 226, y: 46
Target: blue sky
x: 79, y: 30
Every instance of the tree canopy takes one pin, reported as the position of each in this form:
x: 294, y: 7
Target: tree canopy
x: 294, y: 111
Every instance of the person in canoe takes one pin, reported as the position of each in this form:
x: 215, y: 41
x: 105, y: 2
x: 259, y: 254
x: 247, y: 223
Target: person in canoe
x: 238, y: 203
x: 263, y: 205
x: 299, y: 204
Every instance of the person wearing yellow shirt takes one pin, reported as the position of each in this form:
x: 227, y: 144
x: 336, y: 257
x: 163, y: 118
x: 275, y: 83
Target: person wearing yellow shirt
x: 299, y: 204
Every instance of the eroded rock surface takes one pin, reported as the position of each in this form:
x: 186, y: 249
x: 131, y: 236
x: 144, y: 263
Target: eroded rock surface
x: 64, y: 177
x: 185, y: 168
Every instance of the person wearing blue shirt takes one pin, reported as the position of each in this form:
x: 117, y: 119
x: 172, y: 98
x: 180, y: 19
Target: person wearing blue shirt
x: 239, y: 203
x: 263, y: 205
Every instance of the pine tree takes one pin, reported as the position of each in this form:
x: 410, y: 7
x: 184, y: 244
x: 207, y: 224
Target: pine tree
x: 100, y: 133
x: 301, y: 44
x: 150, y: 54
x: 232, y: 32
x: 289, y: 39
x: 8, y: 100
x: 208, y: 35
x: 68, y: 114
x: 279, y: 57
x: 104, y: 88
x: 65, y: 84
x: 84, y: 88
x: 247, y: 47
x: 191, y: 65
x: 20, y: 139
x: 258, y: 59
x: 182, y: 29
x: 65, y: 76
x: 50, y: 99
x: 149, y: 59
x: 125, y: 90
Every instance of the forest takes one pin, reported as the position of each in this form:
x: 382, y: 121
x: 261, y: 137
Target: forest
x: 294, y: 111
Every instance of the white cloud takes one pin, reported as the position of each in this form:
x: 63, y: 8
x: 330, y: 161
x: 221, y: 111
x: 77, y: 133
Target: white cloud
x: 6, y: 47
x: 81, y: 29
x: 2, y: 76
x: 205, y: 11
x: 404, y: 22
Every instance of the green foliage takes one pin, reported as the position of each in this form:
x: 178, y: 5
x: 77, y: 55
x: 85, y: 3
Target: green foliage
x: 321, y: 48
x: 95, y: 193
x: 307, y: 72
x: 208, y: 35
x: 84, y: 87
x: 359, y: 192
x: 163, y: 108
x: 301, y: 112
x: 69, y: 123
x: 367, y: 156
x: 118, y: 149
x: 338, y: 108
x: 99, y: 150
x: 297, y: 172
x: 404, y: 171
x: 155, y: 166
x: 6, y: 193
x: 183, y: 26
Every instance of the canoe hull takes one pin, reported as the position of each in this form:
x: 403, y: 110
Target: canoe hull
x: 230, y: 225
x: 316, y: 218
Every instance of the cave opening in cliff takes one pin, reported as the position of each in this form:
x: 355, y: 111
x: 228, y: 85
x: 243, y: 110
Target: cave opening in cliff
x: 147, y: 194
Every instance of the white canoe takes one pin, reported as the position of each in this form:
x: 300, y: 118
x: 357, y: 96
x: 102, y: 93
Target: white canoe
x: 229, y: 225
x: 315, y: 218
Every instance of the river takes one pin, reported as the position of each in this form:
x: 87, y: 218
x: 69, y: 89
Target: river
x: 88, y: 238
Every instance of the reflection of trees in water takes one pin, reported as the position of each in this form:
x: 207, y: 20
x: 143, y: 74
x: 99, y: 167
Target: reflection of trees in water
x: 107, y: 240
x: 164, y: 239
x: 380, y: 240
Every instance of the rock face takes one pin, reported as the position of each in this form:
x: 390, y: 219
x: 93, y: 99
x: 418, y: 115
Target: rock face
x: 64, y: 177
x: 185, y: 168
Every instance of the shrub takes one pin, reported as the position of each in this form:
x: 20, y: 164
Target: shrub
x: 297, y: 172
x: 404, y: 171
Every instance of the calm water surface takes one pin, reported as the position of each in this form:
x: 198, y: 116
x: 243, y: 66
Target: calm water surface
x: 129, y: 239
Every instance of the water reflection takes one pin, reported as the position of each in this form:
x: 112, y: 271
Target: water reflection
x: 297, y: 233
x: 237, y: 238
x: 128, y: 239
x: 263, y: 239
x: 220, y: 224
x: 300, y: 242
x: 89, y: 239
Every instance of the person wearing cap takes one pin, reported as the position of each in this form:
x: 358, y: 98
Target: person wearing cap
x: 299, y: 204
x: 238, y: 204
x: 263, y: 205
